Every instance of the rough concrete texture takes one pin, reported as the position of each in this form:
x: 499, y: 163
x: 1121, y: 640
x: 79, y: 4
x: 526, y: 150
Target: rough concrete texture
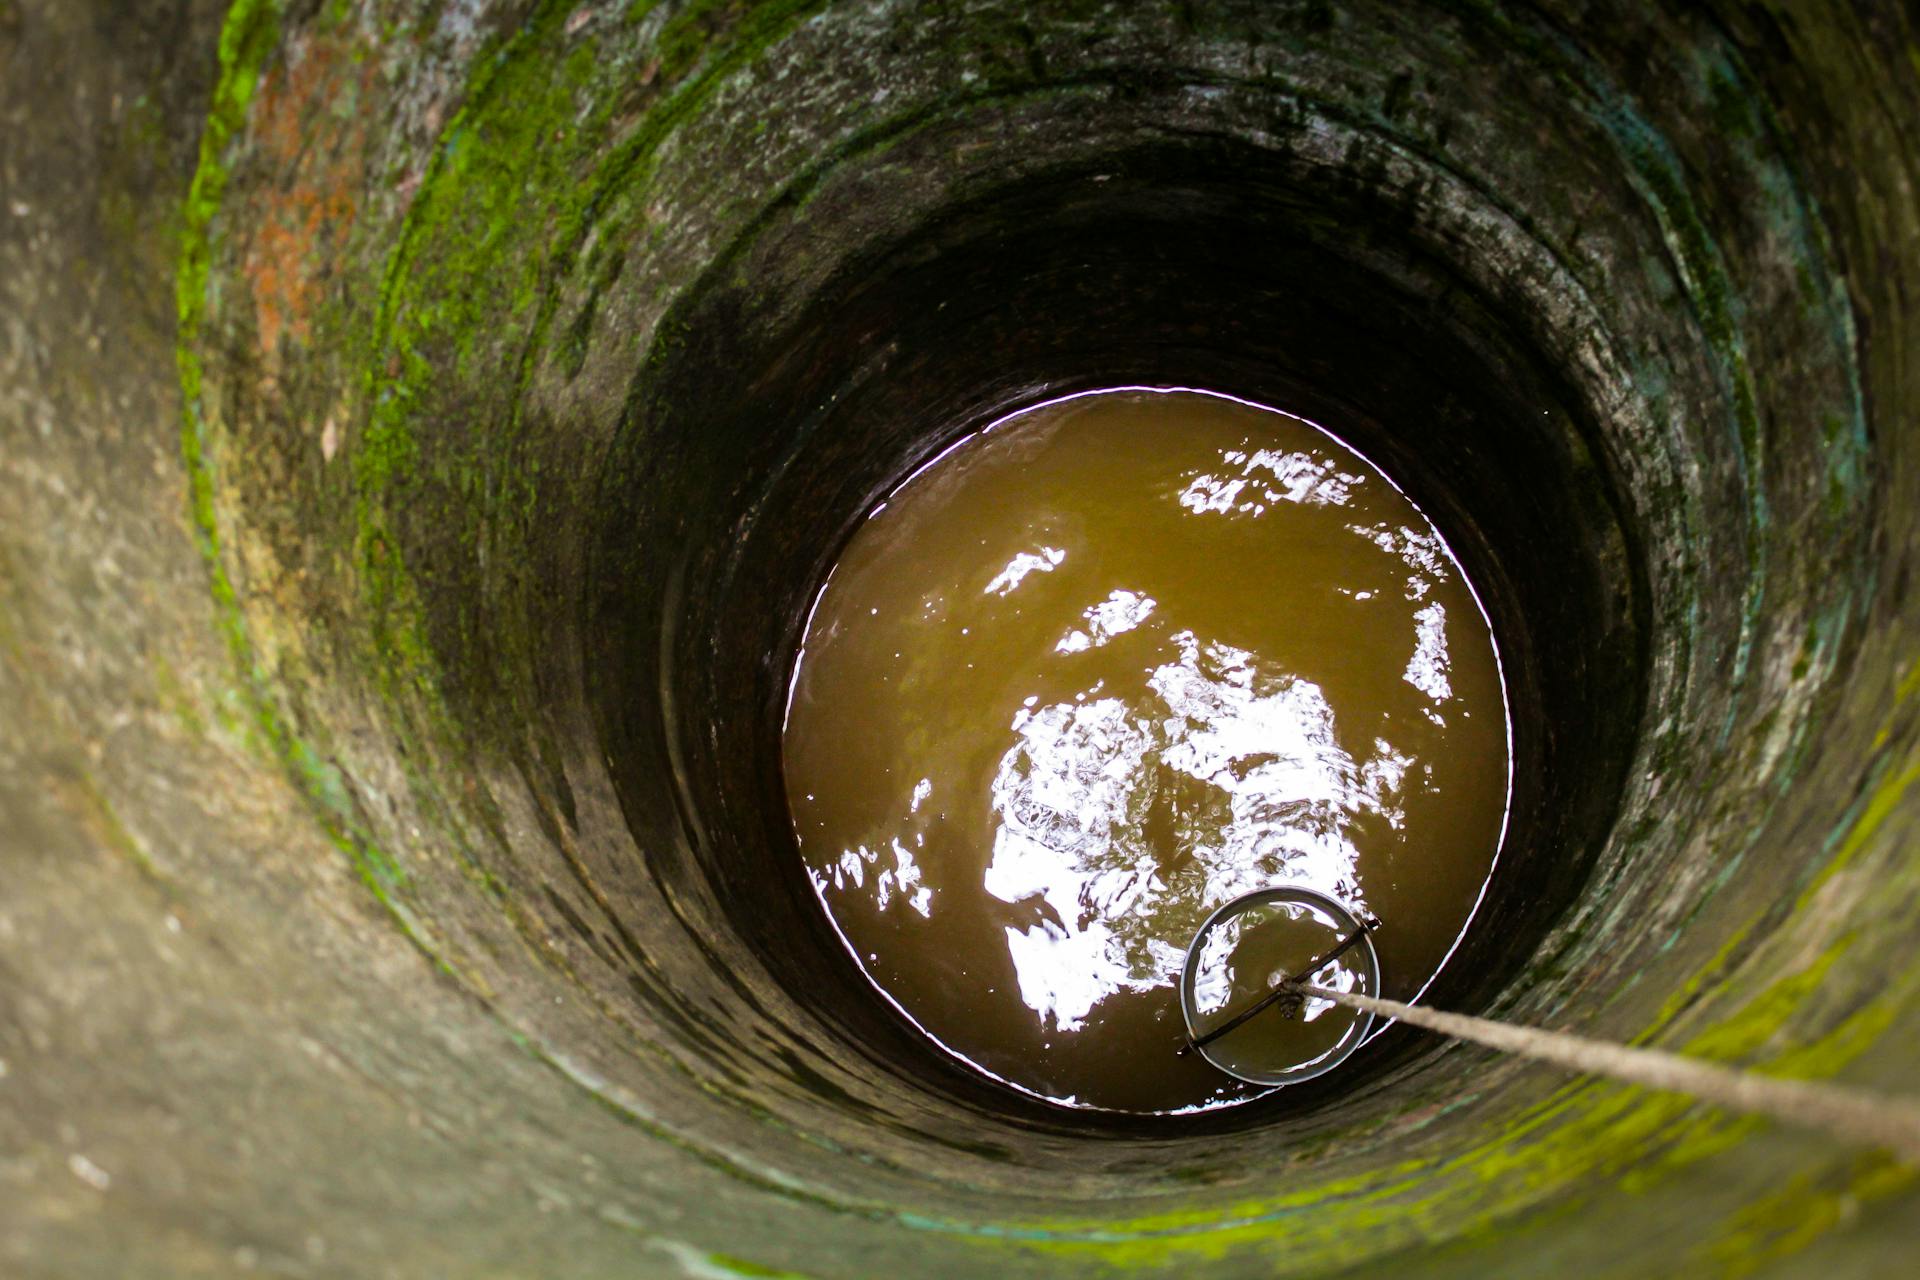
x: 422, y: 420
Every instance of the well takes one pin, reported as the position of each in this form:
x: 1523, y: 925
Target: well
x: 424, y: 424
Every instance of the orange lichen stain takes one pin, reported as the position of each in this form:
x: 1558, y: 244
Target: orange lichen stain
x: 312, y: 141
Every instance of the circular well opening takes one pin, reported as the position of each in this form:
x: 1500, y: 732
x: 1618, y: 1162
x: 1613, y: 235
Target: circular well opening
x: 1098, y: 670
x: 792, y: 411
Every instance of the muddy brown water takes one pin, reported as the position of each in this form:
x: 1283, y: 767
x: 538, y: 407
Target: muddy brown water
x: 1100, y: 669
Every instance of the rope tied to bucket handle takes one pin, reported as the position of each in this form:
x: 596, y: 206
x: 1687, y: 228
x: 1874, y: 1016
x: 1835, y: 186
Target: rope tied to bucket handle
x: 1287, y: 990
x: 1871, y: 1119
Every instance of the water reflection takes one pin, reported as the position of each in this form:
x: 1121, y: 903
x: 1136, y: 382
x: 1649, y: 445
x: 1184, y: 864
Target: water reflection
x: 1120, y: 862
x: 1269, y: 476
x: 1106, y: 669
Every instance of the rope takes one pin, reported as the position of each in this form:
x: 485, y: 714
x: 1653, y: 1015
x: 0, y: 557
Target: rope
x: 1870, y: 1119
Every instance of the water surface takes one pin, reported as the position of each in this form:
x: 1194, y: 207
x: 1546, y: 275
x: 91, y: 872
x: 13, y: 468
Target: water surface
x: 1104, y: 667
